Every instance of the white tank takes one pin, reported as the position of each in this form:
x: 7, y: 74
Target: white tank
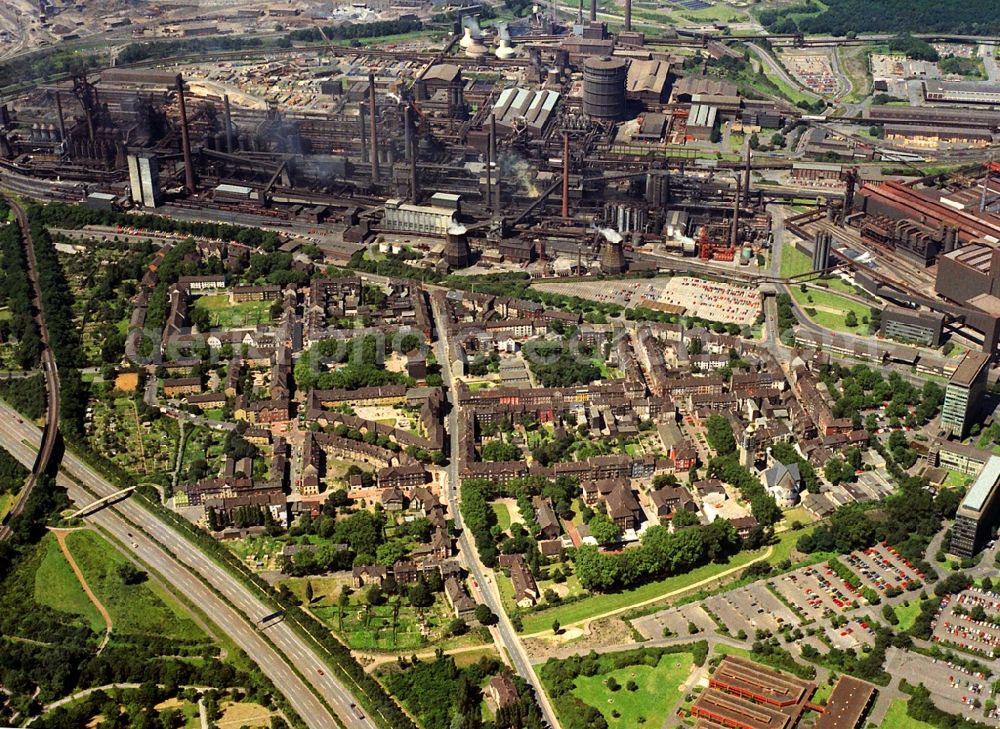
x: 505, y: 50
x: 476, y: 49
x: 467, y: 39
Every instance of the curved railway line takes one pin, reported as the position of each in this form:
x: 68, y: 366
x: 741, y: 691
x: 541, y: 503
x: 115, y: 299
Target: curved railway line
x: 50, y: 432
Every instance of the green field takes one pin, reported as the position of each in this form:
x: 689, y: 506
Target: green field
x: 144, y: 608
x: 56, y: 586
x: 503, y: 515
x: 226, y: 315
x: 907, y: 614
x: 658, y: 691
x: 896, y: 718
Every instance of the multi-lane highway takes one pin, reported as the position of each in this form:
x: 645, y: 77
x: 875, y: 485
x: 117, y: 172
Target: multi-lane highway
x: 227, y: 602
x: 488, y: 591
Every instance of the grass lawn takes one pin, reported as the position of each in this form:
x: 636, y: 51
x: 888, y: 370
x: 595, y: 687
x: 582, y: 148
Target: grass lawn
x: 144, y: 608
x: 907, y: 614
x: 800, y: 515
x: 503, y: 515
x: 224, y: 314
x: 56, y: 586
x: 831, y: 309
x: 956, y: 479
x: 793, y: 261
x: 822, y: 693
x: 896, y: 718
x: 659, y: 690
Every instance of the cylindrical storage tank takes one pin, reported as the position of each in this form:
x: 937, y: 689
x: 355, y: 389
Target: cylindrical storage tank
x: 604, y: 87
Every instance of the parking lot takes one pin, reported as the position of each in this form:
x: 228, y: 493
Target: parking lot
x: 750, y: 609
x: 856, y: 633
x: 953, y: 688
x: 882, y: 568
x: 815, y: 592
x: 676, y: 620
x: 956, y: 625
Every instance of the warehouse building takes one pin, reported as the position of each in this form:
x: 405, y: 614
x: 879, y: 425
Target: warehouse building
x: 932, y: 136
x: 961, y: 92
x: 648, y: 82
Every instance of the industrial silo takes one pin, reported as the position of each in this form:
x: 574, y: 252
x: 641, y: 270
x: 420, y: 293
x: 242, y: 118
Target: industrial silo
x: 604, y: 87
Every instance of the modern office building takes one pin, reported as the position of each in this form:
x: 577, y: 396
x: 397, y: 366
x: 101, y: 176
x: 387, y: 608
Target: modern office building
x: 964, y: 393
x: 917, y: 327
x: 977, y: 512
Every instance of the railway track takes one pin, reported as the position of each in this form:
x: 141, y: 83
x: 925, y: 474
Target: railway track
x: 50, y: 433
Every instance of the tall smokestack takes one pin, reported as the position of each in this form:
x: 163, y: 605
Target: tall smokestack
x: 733, y: 234
x: 62, y: 119
x: 746, y: 177
x: 628, y: 16
x: 185, y: 138
x: 580, y: 14
x: 373, y: 120
x: 593, y: 10
x: 227, y: 115
x: 489, y: 169
x: 493, y: 154
x: 364, y: 133
x: 565, y: 180
x: 412, y: 152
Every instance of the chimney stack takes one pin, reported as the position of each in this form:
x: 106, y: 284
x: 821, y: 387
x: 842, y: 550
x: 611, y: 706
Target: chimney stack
x: 62, y: 119
x: 229, y: 123
x: 734, y: 233
x: 185, y: 138
x: 413, y: 152
x: 593, y: 11
x: 628, y: 16
x: 373, y: 120
x: 565, y: 180
x: 493, y: 156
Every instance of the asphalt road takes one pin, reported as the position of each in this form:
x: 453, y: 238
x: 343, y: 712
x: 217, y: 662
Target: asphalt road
x: 488, y: 591
x: 183, y: 566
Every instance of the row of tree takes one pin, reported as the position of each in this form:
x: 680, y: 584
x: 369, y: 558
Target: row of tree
x: 661, y: 553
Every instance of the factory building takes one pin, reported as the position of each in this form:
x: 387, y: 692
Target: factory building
x: 977, y: 513
x: 932, y: 116
x: 702, y: 120
x: 968, y: 272
x: 932, y: 136
x: 961, y: 92
x: 917, y: 327
x: 144, y: 180
x: 648, y: 82
x: 963, y: 395
x: 408, y: 218
x: 520, y: 108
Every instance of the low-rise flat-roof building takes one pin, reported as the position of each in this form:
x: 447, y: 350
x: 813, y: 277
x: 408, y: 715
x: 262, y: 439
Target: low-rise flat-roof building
x: 961, y: 92
x: 746, y: 695
x: 977, y: 512
x: 906, y: 325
